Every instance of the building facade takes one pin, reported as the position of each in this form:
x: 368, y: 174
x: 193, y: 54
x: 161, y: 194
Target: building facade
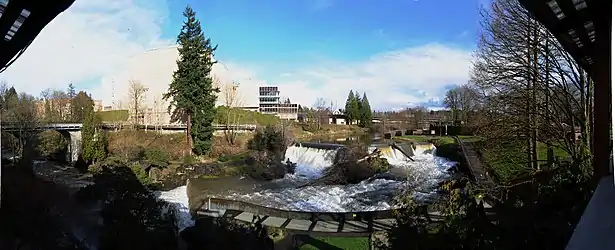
x: 270, y: 102
x: 154, y: 70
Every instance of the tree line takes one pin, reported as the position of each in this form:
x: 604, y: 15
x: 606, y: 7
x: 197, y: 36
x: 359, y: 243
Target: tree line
x: 525, y: 90
x: 191, y: 94
x: 24, y: 112
x: 357, y: 109
x: 53, y: 105
x: 524, y: 83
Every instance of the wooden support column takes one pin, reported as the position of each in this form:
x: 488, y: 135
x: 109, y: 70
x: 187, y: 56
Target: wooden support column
x: 602, y: 119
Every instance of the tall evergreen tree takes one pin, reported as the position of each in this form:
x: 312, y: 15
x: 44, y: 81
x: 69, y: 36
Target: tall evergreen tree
x: 93, y: 138
x: 71, y: 91
x: 81, y: 105
x: 358, y: 112
x: 366, y: 111
x: 192, y: 94
x: 351, y: 110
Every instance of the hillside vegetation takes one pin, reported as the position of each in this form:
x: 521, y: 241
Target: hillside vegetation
x: 234, y: 116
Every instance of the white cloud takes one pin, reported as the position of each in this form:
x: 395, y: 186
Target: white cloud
x: 107, y: 40
x: 91, y: 39
x: 391, y: 80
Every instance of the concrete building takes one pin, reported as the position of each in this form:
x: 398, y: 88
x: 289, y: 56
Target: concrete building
x: 270, y: 102
x: 154, y: 70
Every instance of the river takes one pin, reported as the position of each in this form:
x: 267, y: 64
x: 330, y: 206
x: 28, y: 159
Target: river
x: 422, y: 175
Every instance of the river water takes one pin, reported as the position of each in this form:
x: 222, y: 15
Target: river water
x: 422, y: 175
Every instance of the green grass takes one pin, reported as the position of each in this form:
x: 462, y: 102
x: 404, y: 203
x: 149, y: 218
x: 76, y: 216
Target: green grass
x: 509, y: 160
x: 436, y: 140
x: 347, y: 243
x: 470, y: 138
x: 114, y: 115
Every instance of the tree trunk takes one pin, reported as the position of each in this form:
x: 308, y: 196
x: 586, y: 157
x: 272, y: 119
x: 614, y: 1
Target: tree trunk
x: 535, y: 163
x: 547, y: 119
x: 526, y: 96
x: 188, y: 135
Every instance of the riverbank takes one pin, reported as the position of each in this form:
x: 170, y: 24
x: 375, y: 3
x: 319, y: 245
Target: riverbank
x: 506, y: 161
x: 446, y: 146
x: 174, y: 163
x: 328, y: 131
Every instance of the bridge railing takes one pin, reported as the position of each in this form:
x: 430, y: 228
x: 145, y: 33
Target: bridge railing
x: 11, y: 126
x: 207, y: 205
x: 211, y: 204
x: 465, y: 156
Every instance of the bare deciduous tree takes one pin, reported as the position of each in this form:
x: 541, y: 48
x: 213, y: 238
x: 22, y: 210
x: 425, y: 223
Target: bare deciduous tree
x: 157, y: 111
x: 322, y: 111
x: 232, y: 103
x: 529, y: 85
x: 136, y: 95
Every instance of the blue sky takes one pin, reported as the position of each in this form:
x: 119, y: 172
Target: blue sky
x: 292, y: 34
x: 282, y: 31
x: 400, y: 52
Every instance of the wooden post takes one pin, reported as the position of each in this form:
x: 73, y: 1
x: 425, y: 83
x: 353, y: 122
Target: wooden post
x: 550, y: 157
x: 0, y: 159
x: 602, y: 115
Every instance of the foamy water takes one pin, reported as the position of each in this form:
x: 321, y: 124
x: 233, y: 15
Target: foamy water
x: 178, y: 200
x: 423, y: 175
x: 311, y: 162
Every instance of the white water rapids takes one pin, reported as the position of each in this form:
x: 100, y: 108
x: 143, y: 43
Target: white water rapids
x: 423, y: 174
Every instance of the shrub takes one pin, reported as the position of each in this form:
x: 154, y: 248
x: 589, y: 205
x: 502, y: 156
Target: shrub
x: 223, y: 158
x: 141, y: 173
x: 223, y: 148
x: 94, y: 139
x: 132, y: 144
x: 133, y: 153
x: 188, y: 159
x: 157, y: 157
x: 309, y: 127
x: 272, y: 141
x: 109, y: 162
x: 51, y: 144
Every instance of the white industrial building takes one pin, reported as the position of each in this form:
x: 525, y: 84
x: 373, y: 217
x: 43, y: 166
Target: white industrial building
x: 154, y: 69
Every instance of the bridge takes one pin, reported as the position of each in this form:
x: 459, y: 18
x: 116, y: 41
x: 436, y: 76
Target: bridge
x: 359, y: 223
x: 72, y: 131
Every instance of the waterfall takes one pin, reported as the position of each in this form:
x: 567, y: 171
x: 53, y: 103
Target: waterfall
x: 310, y: 160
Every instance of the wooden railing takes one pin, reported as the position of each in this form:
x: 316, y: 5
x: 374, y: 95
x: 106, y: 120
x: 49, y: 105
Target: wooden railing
x: 218, y: 204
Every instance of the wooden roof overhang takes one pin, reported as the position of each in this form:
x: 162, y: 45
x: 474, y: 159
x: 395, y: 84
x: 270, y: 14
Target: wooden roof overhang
x: 21, y: 21
x: 583, y: 27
